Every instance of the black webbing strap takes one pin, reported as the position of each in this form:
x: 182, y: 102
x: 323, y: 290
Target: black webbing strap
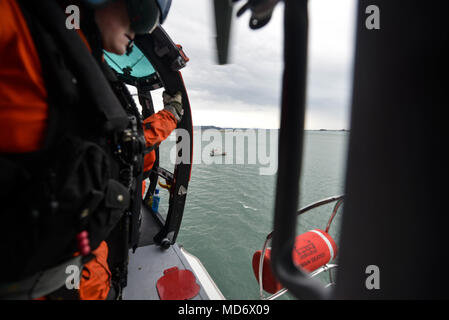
x: 151, y: 148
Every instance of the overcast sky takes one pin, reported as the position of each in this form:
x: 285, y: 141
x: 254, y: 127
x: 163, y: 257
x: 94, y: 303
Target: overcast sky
x: 246, y: 92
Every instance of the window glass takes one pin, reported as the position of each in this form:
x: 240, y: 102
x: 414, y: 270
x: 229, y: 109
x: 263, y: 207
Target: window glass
x: 136, y: 64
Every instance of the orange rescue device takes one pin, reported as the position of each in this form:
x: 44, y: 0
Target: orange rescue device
x: 313, y: 249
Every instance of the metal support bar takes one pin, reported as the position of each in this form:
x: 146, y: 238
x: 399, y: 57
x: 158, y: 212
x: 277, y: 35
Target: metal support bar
x: 290, y: 153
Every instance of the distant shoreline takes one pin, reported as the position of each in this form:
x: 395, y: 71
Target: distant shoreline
x: 226, y: 128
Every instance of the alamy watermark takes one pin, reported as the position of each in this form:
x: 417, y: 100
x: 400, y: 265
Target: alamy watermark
x: 372, y: 22
x: 73, y: 279
x: 372, y: 282
x: 73, y: 19
x: 228, y: 147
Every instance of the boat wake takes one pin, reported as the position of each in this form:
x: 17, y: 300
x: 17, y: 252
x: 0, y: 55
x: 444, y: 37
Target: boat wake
x: 248, y: 207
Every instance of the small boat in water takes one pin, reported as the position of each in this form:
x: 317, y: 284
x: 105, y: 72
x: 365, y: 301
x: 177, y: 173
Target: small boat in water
x: 216, y: 152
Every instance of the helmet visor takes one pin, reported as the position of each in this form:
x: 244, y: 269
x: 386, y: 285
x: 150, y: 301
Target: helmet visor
x: 143, y: 15
x: 164, y: 7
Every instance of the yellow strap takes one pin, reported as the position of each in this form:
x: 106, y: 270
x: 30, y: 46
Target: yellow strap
x: 165, y: 186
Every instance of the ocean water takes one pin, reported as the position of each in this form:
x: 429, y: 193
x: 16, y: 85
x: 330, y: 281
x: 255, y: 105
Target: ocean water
x: 229, y: 208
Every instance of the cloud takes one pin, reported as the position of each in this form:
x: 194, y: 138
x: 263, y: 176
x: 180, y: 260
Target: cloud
x: 246, y: 93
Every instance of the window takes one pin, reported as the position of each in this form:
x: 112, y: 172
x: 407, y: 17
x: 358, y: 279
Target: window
x: 136, y: 65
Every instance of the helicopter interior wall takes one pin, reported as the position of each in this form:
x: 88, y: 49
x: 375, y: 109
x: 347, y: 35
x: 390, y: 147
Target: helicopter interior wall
x: 395, y: 214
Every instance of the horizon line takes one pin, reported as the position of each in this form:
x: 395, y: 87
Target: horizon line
x: 214, y: 126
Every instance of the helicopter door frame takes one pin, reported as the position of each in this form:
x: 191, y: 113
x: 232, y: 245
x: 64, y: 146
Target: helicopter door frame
x: 167, y: 59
